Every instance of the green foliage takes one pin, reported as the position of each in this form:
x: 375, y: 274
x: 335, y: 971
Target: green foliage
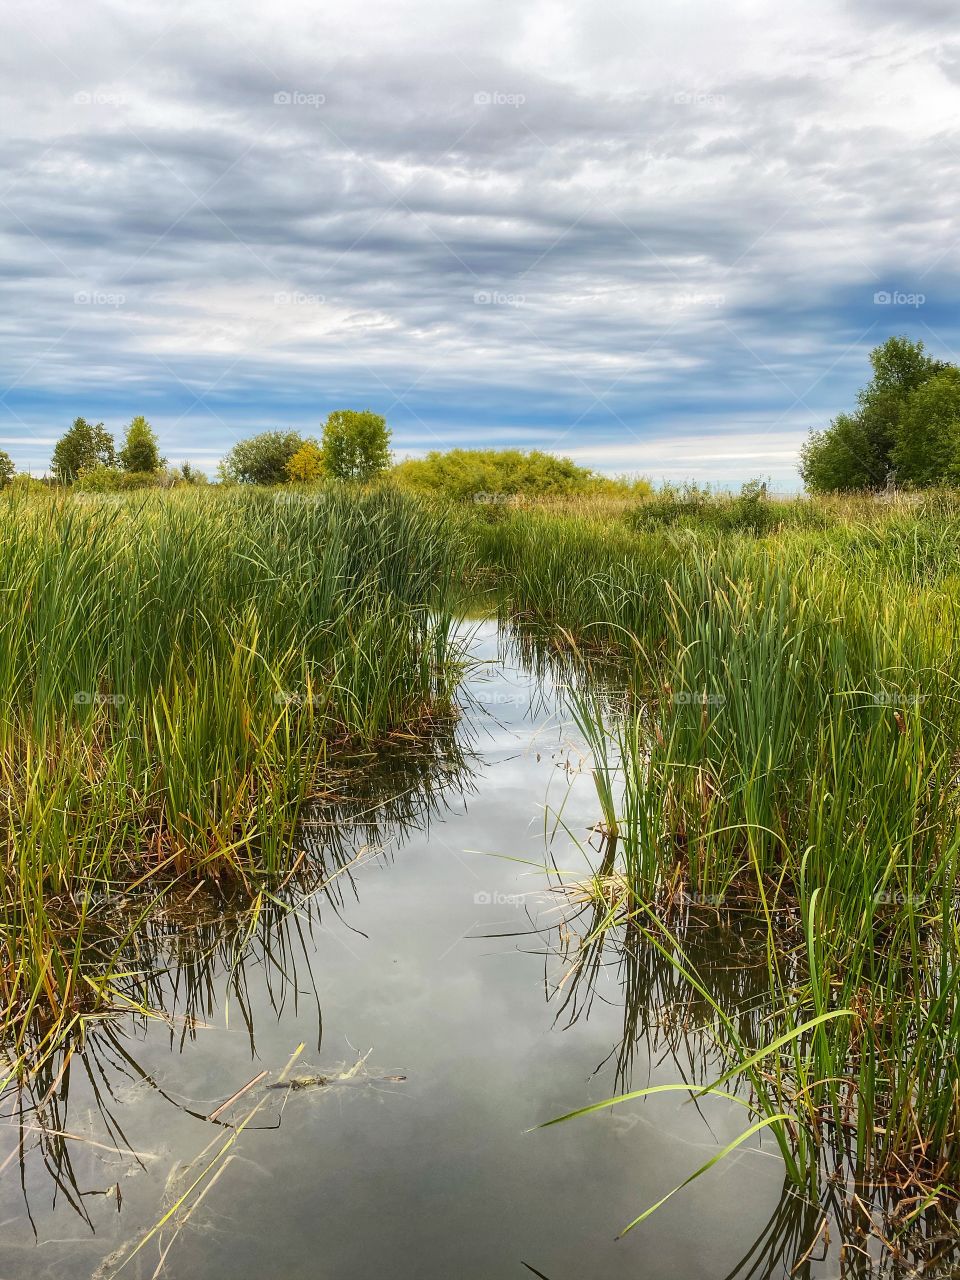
x: 306, y: 465
x: 111, y: 480
x: 355, y: 445
x: 22, y: 482
x: 495, y: 473
x: 927, y: 451
x: 83, y: 447
x: 176, y: 669
x: 7, y: 469
x: 786, y: 750
x: 186, y: 474
x: 696, y: 508
x: 261, y: 459
x: 140, y: 451
x: 859, y: 450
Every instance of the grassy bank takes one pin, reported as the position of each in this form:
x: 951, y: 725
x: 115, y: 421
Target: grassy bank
x: 177, y: 671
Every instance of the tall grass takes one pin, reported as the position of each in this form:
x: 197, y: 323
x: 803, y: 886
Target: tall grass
x: 790, y: 742
x: 176, y: 670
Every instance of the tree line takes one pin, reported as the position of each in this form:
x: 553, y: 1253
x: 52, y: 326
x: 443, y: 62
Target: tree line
x: 354, y: 446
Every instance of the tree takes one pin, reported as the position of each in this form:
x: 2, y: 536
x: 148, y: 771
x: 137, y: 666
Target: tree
x: 306, y: 465
x: 7, y: 469
x: 839, y: 458
x: 140, y: 451
x: 261, y: 459
x: 856, y: 450
x: 927, y: 450
x: 83, y: 446
x: 356, y: 445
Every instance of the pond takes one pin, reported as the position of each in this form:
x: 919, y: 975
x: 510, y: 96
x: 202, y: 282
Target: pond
x: 432, y: 990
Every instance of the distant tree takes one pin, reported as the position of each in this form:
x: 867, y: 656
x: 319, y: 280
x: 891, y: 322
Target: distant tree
x: 189, y: 475
x: 306, y: 465
x: 355, y: 445
x: 140, y: 451
x: 261, y: 459
x: 927, y: 450
x: 82, y: 447
x: 7, y: 469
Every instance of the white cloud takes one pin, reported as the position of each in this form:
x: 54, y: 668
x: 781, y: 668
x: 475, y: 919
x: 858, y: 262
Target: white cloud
x: 577, y: 222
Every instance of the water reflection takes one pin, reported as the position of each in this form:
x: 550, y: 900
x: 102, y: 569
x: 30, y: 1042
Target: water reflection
x: 203, y: 951
x: 402, y: 946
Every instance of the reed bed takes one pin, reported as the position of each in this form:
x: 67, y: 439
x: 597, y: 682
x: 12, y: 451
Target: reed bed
x: 177, y: 673
x: 788, y: 744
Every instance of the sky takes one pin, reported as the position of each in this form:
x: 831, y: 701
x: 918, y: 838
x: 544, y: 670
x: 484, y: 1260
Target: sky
x: 655, y: 238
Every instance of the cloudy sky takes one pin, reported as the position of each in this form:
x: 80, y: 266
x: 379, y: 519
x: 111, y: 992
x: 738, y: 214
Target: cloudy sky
x: 656, y: 238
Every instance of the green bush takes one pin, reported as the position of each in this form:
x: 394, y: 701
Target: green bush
x: 499, y: 474
x: 110, y: 480
x: 695, y: 507
x: 261, y: 459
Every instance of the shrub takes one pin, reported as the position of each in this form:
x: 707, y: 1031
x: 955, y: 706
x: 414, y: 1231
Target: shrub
x: 306, y: 465
x: 472, y: 473
x: 7, y: 469
x: 261, y: 459
x: 111, y: 480
x: 694, y: 507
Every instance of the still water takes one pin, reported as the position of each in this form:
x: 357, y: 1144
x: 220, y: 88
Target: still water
x: 431, y: 989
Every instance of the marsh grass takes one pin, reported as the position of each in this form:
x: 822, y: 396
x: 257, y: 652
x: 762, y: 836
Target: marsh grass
x: 178, y: 673
x: 790, y: 742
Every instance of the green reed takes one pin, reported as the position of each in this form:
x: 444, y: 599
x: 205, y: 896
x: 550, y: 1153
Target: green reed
x: 177, y: 672
x: 789, y: 741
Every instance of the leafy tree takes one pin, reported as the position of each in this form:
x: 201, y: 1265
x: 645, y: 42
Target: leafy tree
x: 306, y: 465
x: 83, y: 446
x: 355, y: 445
x: 7, y: 469
x: 140, y: 451
x: 840, y: 458
x: 856, y: 450
x: 261, y: 459
x: 927, y: 450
